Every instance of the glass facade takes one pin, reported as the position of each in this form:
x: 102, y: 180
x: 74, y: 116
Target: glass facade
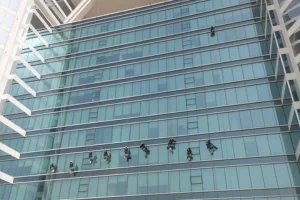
x: 143, y: 76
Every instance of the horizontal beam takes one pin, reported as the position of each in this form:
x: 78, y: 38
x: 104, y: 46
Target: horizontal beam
x: 36, y: 53
x: 17, y: 103
x: 29, y: 67
x: 23, y: 84
x: 271, y: 7
x: 38, y: 34
x: 12, y: 125
x: 6, y: 177
x: 9, y: 150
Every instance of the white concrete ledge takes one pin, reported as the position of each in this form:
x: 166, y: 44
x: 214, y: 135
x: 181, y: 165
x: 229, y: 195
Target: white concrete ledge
x: 6, y: 177
x: 12, y: 125
x: 29, y: 67
x: 9, y: 151
x: 17, y: 103
x: 23, y: 84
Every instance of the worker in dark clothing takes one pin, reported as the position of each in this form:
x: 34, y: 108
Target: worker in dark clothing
x: 91, y: 157
x: 127, y: 154
x: 208, y: 143
x: 189, y: 150
x: 71, y: 164
x: 126, y: 150
x: 106, y: 155
x: 211, y: 147
x: 171, y: 141
x: 212, y: 31
x: 171, y: 144
x: 71, y: 167
x: 143, y: 147
x: 52, y: 168
x: 189, y: 153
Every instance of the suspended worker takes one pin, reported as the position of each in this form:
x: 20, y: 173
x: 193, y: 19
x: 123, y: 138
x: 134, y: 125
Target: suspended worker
x: 71, y: 164
x: 189, y: 153
x: 106, y: 156
x: 127, y: 153
x: 71, y: 167
x: 212, y: 31
x: 143, y: 147
x: 91, y: 157
x: 211, y: 147
x: 52, y: 168
x: 171, y: 144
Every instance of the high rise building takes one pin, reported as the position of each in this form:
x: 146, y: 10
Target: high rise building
x: 81, y: 78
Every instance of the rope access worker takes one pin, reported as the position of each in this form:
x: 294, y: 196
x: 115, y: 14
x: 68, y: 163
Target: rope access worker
x: 212, y: 31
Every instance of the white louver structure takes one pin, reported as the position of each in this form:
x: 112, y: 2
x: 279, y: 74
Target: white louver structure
x: 284, y: 17
x: 275, y: 12
x: 16, y: 16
